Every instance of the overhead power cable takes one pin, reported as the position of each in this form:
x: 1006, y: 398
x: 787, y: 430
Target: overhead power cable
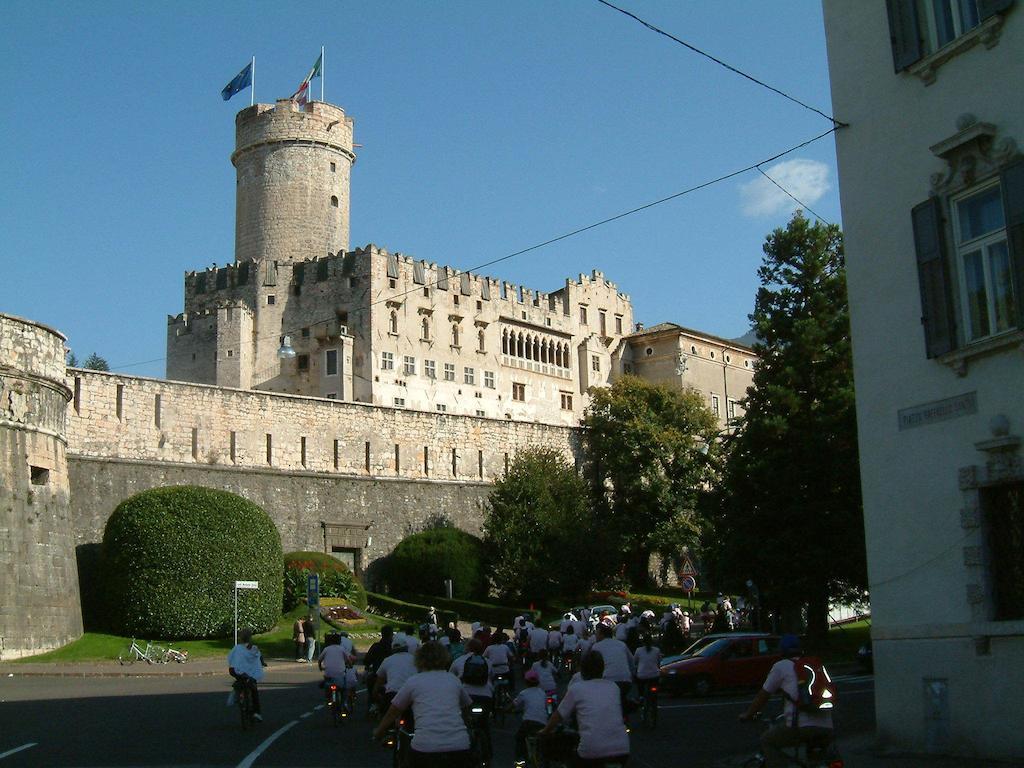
x: 558, y: 238
x: 794, y: 197
x: 705, y: 54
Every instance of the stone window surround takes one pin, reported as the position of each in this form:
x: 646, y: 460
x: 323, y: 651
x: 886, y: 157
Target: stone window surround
x: 987, y: 33
x: 973, y: 155
x: 1002, y: 465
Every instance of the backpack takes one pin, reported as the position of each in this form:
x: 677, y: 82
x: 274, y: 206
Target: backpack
x: 816, y: 693
x: 474, y: 672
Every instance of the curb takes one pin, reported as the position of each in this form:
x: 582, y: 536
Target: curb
x: 55, y: 670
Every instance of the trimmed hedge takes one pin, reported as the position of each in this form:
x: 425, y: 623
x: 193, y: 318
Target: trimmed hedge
x: 488, y: 613
x: 336, y: 580
x: 407, y: 613
x: 421, y: 563
x: 171, y: 557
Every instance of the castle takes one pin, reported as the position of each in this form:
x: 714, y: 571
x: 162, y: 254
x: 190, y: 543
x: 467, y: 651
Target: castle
x: 353, y: 394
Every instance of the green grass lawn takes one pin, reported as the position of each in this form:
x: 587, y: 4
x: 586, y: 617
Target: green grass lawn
x: 277, y: 643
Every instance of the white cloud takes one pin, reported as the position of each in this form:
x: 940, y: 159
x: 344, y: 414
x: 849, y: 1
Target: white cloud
x: 804, y: 179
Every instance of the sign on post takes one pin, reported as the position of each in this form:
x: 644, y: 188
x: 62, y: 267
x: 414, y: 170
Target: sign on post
x: 242, y: 585
x: 313, y: 590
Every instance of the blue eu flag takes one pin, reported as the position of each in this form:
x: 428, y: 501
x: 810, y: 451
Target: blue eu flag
x: 242, y: 81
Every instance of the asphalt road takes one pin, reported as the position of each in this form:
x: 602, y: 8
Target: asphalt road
x: 92, y: 722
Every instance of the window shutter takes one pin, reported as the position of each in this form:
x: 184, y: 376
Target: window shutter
x: 1012, y: 180
x: 933, y: 275
x: 988, y: 8
x: 904, y: 32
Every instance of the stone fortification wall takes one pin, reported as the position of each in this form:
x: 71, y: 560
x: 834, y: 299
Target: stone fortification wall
x: 293, y: 175
x: 308, y: 460
x: 39, y: 600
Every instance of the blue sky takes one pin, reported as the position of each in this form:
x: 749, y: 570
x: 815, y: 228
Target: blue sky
x: 486, y: 127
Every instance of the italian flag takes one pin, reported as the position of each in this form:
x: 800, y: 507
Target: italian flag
x: 301, y: 96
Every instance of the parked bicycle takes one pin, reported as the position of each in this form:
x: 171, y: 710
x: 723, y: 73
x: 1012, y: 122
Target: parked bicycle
x: 135, y: 652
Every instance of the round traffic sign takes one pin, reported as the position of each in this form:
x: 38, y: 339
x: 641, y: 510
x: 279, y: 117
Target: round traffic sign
x: 688, y: 583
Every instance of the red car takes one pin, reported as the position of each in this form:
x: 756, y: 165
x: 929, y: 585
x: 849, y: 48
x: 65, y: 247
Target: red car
x: 726, y: 660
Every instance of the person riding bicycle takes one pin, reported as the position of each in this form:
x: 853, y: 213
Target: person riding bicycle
x: 648, y: 664
x: 372, y: 660
x: 500, y: 657
x: 394, y: 670
x: 335, y: 661
x: 545, y: 672
x: 797, y: 727
x: 532, y: 703
x: 618, y: 661
x: 245, y: 665
x: 437, y: 700
x: 475, y: 673
x: 596, y: 705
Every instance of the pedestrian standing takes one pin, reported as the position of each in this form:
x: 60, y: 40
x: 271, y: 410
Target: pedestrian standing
x: 299, y: 638
x: 309, y: 629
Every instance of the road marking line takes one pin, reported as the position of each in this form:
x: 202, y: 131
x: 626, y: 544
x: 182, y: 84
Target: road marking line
x: 251, y: 757
x: 23, y: 747
x: 318, y: 707
x: 304, y: 715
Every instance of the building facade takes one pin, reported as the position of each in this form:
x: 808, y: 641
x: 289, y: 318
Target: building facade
x: 932, y: 191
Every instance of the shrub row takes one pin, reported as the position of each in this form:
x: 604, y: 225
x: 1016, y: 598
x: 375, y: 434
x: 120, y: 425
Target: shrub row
x: 421, y: 563
x: 409, y: 613
x: 488, y: 613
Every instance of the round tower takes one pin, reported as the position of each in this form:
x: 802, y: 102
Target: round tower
x: 293, y: 168
x: 38, y: 573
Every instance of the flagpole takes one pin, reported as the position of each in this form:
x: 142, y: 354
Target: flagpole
x: 321, y: 73
x: 252, y: 89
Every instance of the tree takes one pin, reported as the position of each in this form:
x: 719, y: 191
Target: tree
x: 647, y: 451
x: 71, y: 361
x: 96, y: 363
x: 542, y: 537
x: 422, y: 562
x: 790, y: 514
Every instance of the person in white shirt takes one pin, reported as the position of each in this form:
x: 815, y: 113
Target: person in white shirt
x: 482, y: 693
x: 648, y: 664
x: 797, y: 727
x: 538, y: 642
x: 532, y: 703
x: 618, y: 661
x: 500, y: 657
x: 545, y: 672
x: 596, y: 705
x: 395, y: 669
x: 245, y: 664
x: 437, y: 700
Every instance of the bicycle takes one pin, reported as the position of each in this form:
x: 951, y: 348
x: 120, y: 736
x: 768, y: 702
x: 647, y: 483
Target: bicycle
x: 813, y: 753
x: 136, y: 653
x: 479, y: 736
x: 502, y: 696
x: 243, y: 697
x: 337, y: 703
x: 649, y: 704
x: 173, y: 654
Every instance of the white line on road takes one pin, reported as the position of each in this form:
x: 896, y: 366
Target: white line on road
x: 23, y: 747
x: 251, y: 757
x: 739, y: 702
x: 318, y: 707
x: 304, y: 715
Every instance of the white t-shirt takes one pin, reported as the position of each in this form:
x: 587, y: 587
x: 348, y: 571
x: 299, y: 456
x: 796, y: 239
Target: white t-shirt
x: 499, y: 656
x: 473, y: 690
x: 598, y: 713
x: 397, y: 668
x: 335, y: 659
x: 546, y: 676
x: 437, y: 700
x: 412, y: 643
x: 563, y: 625
x: 347, y: 646
x: 532, y: 702
x: 538, y: 639
x: 647, y: 662
x: 554, y: 640
x: 621, y: 631
x: 246, y: 661
x: 782, y: 676
x: 618, y: 661
x: 570, y: 643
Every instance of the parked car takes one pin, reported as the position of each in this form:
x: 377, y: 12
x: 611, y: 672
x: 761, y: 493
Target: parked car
x: 725, y: 660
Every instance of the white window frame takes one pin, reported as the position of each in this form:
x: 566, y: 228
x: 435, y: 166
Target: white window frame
x: 489, y: 379
x: 930, y: 29
x: 399, y: 402
x: 520, y: 388
x: 595, y: 363
x: 387, y: 361
x: 430, y: 369
x: 716, y: 405
x: 469, y: 376
x: 409, y: 365
x: 449, y: 371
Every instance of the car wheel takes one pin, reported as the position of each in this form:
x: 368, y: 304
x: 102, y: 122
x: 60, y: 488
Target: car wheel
x: 702, y: 685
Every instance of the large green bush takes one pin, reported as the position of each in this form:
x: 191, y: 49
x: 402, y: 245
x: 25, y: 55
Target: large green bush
x: 336, y: 580
x: 421, y: 563
x: 171, y: 557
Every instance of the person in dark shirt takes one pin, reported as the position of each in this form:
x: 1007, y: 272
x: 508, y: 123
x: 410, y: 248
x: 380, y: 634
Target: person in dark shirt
x: 375, y: 654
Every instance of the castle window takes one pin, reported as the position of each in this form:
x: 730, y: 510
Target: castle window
x: 716, y: 406
x: 425, y: 329
x: 39, y: 475
x: 618, y: 325
x: 449, y: 372
x: 489, y: 379
x: 387, y: 361
x: 120, y: 401
x: 156, y: 411
x: 399, y: 402
x: 426, y: 292
x: 392, y: 282
x: 481, y: 345
x: 595, y: 363
x: 232, y: 447
x: 441, y: 408
x: 730, y: 408
x: 469, y: 376
x: 479, y: 306
x: 456, y: 299
x: 409, y: 365
x: 305, y: 333
x: 602, y: 319
x: 519, y: 392
x: 566, y: 398
x: 271, y: 299
x: 303, y: 362
x: 270, y: 449
x: 337, y: 453
x: 393, y: 323
x: 331, y: 362
x: 455, y: 335
x: 231, y: 353
x: 547, y: 321
x: 334, y: 167
x: 712, y: 355
x: 302, y: 451
x: 352, y: 282
x: 693, y: 350
x: 583, y: 314
x: 430, y: 369
x: 481, y: 414
x: 334, y: 201
x: 728, y: 359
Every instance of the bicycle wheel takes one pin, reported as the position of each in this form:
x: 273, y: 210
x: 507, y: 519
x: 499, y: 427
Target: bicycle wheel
x: 245, y: 707
x: 126, y: 659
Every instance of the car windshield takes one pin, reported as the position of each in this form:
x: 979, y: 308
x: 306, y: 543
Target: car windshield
x: 713, y: 648
x: 697, y: 646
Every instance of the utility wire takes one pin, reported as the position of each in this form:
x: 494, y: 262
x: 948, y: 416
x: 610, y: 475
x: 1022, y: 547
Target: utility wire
x: 741, y: 73
x: 559, y: 238
x: 794, y: 197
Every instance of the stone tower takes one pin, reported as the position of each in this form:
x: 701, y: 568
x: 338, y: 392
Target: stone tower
x: 39, y: 595
x: 293, y: 169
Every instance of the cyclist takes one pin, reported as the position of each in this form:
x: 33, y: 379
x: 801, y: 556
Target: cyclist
x: 394, y: 670
x: 500, y: 657
x: 335, y: 661
x: 466, y: 668
x: 532, y: 703
x: 595, y: 703
x: 570, y: 646
x: 618, y: 661
x: 796, y: 728
x: 538, y: 639
x: 545, y: 672
x: 437, y: 701
x: 375, y: 655
x: 245, y: 664
x: 648, y: 661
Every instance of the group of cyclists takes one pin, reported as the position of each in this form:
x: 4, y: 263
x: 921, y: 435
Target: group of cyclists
x: 428, y: 678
